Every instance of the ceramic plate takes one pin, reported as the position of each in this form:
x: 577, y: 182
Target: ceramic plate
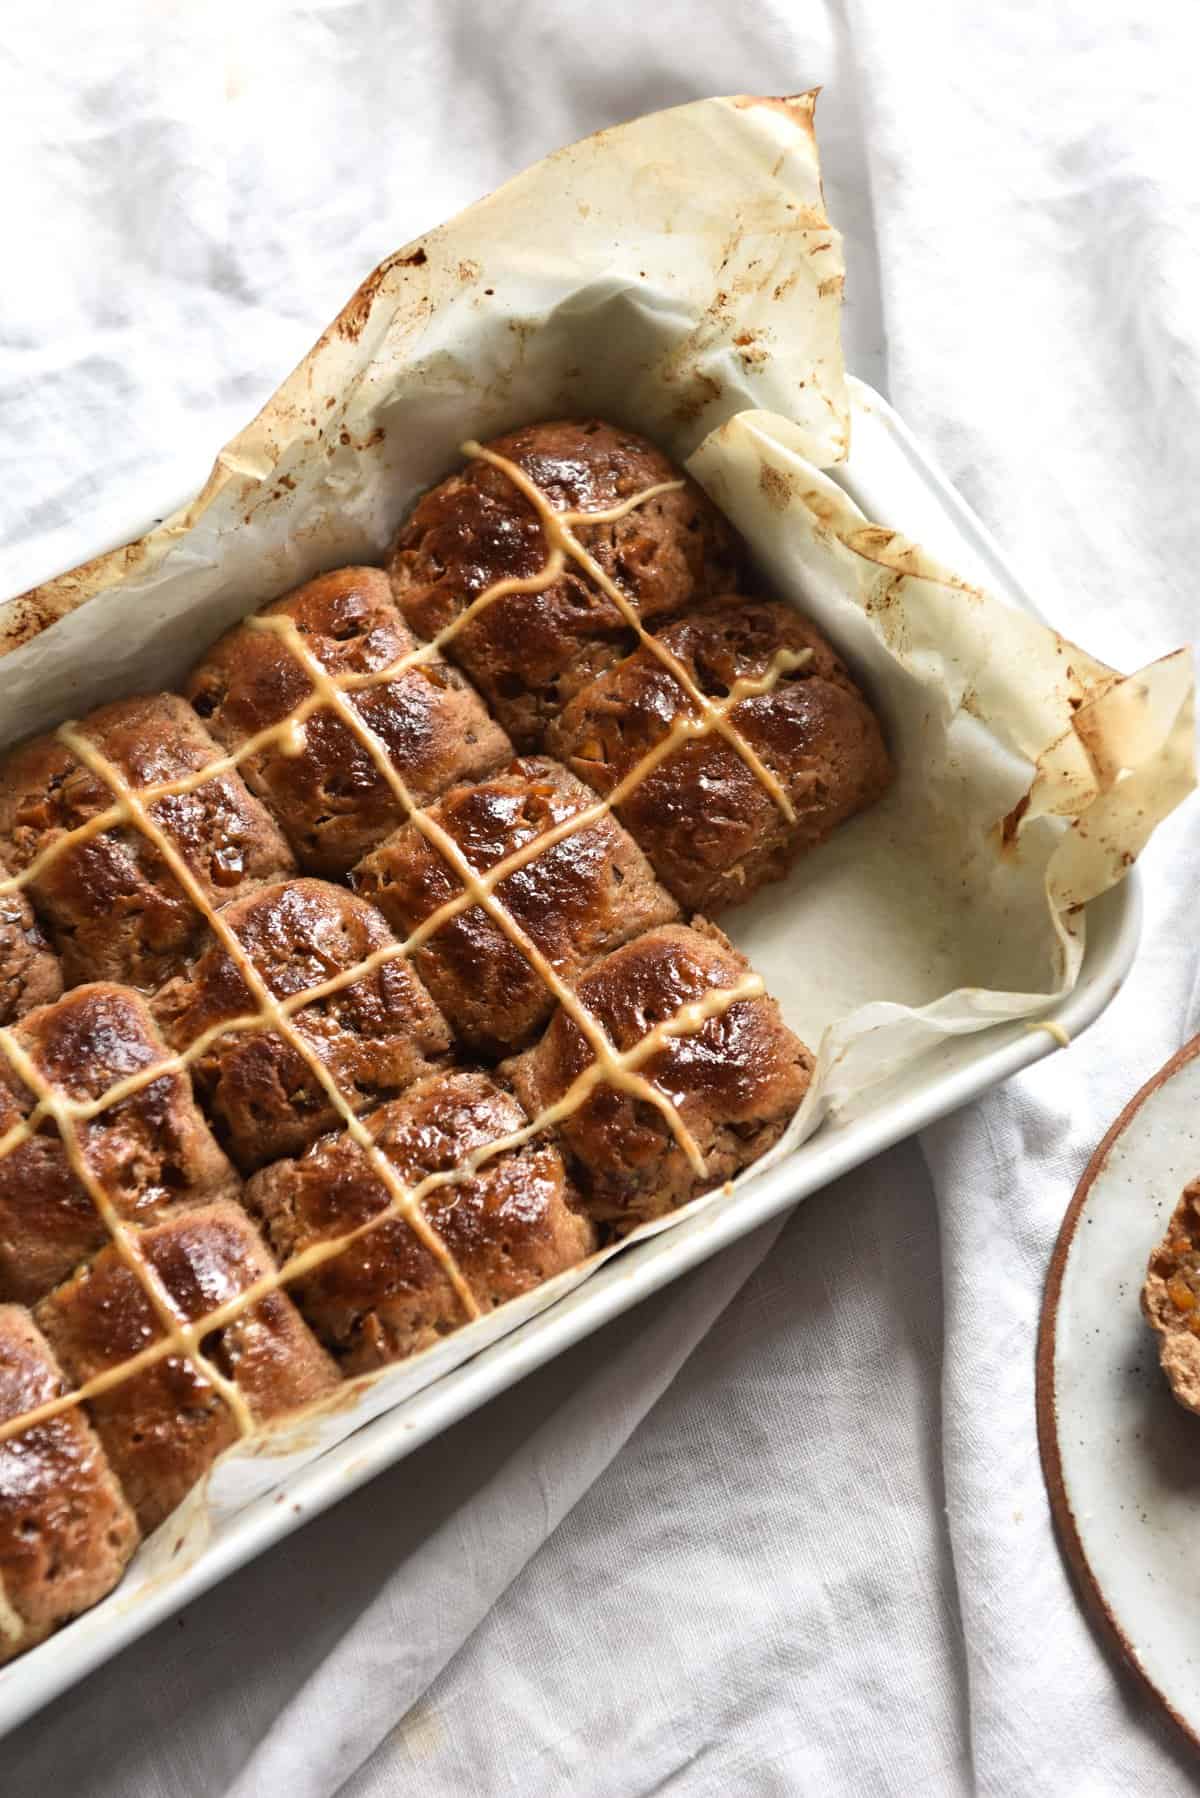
x: 1121, y: 1458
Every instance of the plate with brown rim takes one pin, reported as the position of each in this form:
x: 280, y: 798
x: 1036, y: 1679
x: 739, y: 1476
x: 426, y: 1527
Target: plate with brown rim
x: 1121, y: 1458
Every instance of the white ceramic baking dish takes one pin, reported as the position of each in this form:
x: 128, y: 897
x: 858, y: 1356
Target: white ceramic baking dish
x: 895, y: 483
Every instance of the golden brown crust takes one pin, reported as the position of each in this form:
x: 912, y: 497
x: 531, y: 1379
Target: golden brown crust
x: 579, y: 898
x: 112, y: 906
x: 736, y: 1081
x: 711, y: 829
x: 386, y: 1296
x: 163, y: 1427
x: 30, y: 972
x: 374, y: 1036
x: 1171, y: 1298
x: 151, y: 1153
x: 66, y: 1531
x: 331, y: 798
x: 529, y: 652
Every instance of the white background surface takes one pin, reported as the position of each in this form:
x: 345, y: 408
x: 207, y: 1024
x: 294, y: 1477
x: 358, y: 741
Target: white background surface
x: 783, y: 1530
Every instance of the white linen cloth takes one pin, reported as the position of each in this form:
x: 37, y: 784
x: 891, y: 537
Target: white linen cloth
x: 783, y: 1529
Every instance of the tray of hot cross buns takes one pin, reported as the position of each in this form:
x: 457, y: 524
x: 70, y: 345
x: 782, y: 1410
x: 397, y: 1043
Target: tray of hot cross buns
x: 556, y: 797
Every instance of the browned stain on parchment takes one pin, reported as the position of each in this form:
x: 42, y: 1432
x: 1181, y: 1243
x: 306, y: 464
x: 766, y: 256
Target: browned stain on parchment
x: 799, y: 109
x: 776, y: 486
x: 352, y: 318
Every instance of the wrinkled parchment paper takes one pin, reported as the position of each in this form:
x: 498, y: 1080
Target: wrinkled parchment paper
x: 677, y: 274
